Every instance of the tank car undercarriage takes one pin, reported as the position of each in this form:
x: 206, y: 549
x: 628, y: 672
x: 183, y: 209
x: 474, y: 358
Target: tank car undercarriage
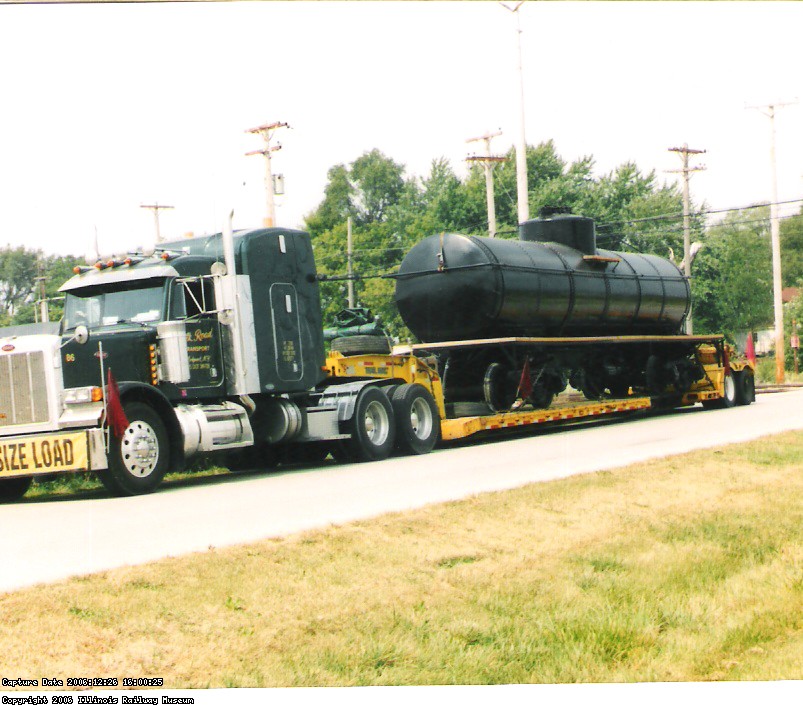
x: 507, y: 376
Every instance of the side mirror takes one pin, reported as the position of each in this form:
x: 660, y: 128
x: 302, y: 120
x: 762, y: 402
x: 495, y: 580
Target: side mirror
x: 80, y: 336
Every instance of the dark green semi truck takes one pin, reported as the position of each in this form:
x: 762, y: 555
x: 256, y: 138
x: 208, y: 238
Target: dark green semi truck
x: 209, y: 345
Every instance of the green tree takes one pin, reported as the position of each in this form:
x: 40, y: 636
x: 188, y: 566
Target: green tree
x: 793, y: 324
x: 20, y: 269
x: 445, y: 202
x: 336, y: 206
x: 18, y: 272
x: 379, y: 182
x: 391, y: 213
x: 732, y: 275
x: 792, y: 249
x: 633, y: 213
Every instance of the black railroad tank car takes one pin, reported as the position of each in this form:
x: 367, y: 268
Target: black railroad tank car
x: 552, y: 281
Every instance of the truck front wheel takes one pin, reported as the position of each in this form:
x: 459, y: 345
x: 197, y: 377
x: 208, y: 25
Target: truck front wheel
x: 12, y: 489
x: 138, y: 460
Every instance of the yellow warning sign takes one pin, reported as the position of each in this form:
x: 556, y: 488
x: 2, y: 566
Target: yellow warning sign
x: 26, y: 456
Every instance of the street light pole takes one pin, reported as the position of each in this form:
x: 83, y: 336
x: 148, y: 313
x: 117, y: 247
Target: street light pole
x: 522, y: 194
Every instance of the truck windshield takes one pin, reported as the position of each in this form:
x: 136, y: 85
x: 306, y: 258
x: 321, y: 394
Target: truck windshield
x: 134, y: 302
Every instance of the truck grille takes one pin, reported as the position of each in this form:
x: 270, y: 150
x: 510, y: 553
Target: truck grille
x: 23, y: 389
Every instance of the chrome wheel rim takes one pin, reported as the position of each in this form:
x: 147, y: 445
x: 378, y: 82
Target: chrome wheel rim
x: 139, y: 449
x: 376, y: 423
x: 421, y: 419
x: 730, y: 388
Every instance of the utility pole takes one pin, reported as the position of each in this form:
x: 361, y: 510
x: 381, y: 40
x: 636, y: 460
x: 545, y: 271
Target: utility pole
x: 350, y: 264
x: 684, y: 153
x: 488, y: 161
x: 266, y: 131
x: 522, y: 195
x: 44, y: 316
x: 775, y: 235
x: 156, y: 207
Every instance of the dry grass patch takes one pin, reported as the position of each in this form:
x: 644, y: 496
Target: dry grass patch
x: 685, y: 569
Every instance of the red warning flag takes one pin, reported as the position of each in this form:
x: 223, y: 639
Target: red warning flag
x: 750, y: 349
x: 115, y: 416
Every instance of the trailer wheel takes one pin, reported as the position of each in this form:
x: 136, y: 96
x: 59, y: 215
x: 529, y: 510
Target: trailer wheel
x: 363, y: 343
x: 12, y: 489
x: 745, y: 388
x: 728, y: 400
x: 731, y: 391
x: 372, y: 427
x: 499, y: 387
x: 138, y: 461
x: 417, y: 419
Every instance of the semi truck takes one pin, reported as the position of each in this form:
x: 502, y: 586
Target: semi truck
x: 215, y: 345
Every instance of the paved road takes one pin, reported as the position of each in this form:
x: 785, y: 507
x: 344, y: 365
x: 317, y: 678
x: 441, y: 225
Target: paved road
x: 47, y: 541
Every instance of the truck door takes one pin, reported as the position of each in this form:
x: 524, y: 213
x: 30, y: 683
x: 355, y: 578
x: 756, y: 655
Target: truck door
x: 192, y: 301
x: 286, y: 332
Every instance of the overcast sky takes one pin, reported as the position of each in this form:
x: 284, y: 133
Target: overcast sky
x: 107, y: 107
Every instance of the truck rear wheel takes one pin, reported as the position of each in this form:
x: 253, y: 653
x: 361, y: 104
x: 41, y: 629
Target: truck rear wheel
x: 372, y: 428
x: 138, y: 461
x: 417, y: 419
x: 12, y: 489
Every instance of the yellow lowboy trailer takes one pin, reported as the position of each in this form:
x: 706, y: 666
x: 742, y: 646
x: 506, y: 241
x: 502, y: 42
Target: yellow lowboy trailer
x: 416, y: 364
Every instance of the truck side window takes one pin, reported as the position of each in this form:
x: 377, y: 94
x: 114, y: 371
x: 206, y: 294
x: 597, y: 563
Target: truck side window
x: 178, y: 310
x: 193, y: 297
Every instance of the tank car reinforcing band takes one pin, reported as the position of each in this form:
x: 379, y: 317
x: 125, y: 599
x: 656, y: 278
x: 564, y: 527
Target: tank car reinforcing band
x: 572, y: 289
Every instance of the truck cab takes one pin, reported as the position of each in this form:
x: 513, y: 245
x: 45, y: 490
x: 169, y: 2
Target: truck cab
x: 163, y: 355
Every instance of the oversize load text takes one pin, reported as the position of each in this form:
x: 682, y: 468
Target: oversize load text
x: 43, y: 454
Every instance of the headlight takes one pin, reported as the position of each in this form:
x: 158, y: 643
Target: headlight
x: 82, y: 395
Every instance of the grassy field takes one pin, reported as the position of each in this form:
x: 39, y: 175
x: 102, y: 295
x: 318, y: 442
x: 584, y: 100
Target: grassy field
x: 690, y: 568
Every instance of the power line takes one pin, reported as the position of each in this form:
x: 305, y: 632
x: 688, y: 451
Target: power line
x: 675, y: 229
x: 707, y: 212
